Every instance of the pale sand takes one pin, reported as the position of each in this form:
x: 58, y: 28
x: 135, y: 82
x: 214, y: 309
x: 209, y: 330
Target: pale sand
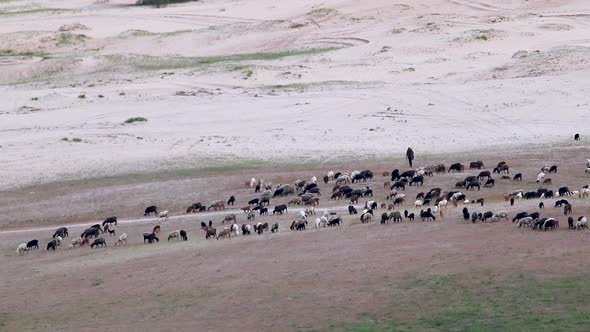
x: 440, y: 76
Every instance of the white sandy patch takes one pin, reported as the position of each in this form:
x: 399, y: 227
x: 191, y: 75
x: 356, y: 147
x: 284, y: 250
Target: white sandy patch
x: 215, y: 82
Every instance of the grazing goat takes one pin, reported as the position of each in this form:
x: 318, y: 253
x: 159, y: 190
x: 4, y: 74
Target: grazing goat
x: 246, y: 229
x: 567, y: 209
x: 151, y: 209
x: 174, y: 235
x: 150, y: 237
x: 62, y: 231
x: 229, y: 218
x: 210, y: 231
x: 109, y: 220
x: 526, y: 221
x: 21, y: 249
x: 76, y: 241
x: 275, y: 227
x: 52, y: 245
x: 235, y: 229
x: 224, y: 233
x: 100, y: 242
x: 581, y: 223
x: 122, y: 239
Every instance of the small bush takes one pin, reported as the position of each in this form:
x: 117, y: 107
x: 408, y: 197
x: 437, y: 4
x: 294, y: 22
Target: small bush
x: 136, y: 119
x: 296, y: 26
x: 75, y: 139
x: 160, y: 3
x: 82, y: 96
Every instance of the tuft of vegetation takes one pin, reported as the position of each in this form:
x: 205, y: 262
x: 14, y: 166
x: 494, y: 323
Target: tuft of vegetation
x: 397, y: 31
x: 136, y: 119
x: 27, y: 54
x: 296, y: 25
x: 82, y: 96
x: 160, y: 3
x: 484, y: 35
x: 153, y: 63
x: 68, y: 38
x: 35, y: 11
x: 322, y: 12
x: 247, y: 74
x: 75, y: 139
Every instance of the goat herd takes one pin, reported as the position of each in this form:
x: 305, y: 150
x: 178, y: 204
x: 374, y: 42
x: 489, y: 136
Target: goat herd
x: 307, y: 194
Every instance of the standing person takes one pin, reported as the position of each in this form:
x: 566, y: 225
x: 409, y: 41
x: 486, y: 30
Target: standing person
x: 410, y: 156
x: 511, y: 201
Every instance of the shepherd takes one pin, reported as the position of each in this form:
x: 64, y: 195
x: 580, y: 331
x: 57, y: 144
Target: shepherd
x: 410, y: 156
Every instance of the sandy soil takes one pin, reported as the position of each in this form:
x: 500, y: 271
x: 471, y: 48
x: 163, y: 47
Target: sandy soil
x: 256, y: 81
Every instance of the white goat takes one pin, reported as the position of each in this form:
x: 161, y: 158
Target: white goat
x: 540, y: 177
x: 21, y: 249
x: 76, y: 241
x: 164, y: 214
x: 122, y: 238
x: 235, y: 229
x: 582, y: 223
x: 324, y: 221
x: 501, y: 214
x: 331, y: 175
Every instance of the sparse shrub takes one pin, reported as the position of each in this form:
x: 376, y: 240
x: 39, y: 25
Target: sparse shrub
x: 136, y: 119
x: 75, y: 139
x: 296, y: 25
x: 160, y: 3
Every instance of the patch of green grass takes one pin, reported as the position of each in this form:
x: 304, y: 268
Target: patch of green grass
x: 35, y: 11
x: 397, y: 31
x: 296, y: 25
x: 136, y: 119
x: 75, y: 140
x: 247, y: 73
x: 68, y: 38
x: 159, y: 3
x: 322, y: 12
x: 385, y: 49
x: 485, y: 34
x: 152, y: 63
x: 523, y: 303
x: 29, y: 54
